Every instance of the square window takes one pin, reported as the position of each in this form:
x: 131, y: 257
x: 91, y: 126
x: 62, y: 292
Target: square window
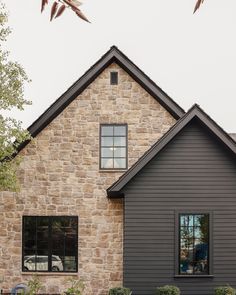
x: 113, y: 147
x: 50, y: 244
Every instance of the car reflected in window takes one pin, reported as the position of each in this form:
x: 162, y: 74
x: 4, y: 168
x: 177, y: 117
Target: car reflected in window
x: 40, y: 263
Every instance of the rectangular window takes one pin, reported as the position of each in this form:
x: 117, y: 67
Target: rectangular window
x: 113, y: 78
x: 113, y: 147
x: 50, y: 244
x: 194, y: 244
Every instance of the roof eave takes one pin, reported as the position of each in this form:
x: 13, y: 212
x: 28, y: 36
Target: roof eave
x: 113, y: 55
x: 195, y: 111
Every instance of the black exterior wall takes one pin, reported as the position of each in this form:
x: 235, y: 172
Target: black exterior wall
x: 194, y: 172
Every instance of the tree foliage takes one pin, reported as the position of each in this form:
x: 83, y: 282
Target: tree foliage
x: 12, y: 79
x: 59, y: 6
x: 197, y: 5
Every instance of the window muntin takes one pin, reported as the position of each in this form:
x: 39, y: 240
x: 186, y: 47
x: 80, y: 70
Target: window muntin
x: 50, y: 244
x: 113, y: 151
x: 194, y: 244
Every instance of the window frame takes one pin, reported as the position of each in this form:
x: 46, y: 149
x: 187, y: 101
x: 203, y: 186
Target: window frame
x: 50, y: 218
x: 100, y: 146
x: 177, y: 243
x: 114, y: 78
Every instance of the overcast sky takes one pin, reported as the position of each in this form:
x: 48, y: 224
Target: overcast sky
x: 191, y: 57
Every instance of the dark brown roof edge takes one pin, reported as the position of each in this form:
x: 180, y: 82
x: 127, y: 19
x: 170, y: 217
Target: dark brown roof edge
x: 233, y: 135
x: 194, y: 112
x: 113, y: 55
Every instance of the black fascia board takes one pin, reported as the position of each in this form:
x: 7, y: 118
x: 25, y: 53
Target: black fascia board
x: 113, y: 55
x: 154, y: 90
x: 194, y: 112
x: 116, y: 195
x: 66, y: 98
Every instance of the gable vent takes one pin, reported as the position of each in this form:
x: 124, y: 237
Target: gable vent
x: 114, y: 78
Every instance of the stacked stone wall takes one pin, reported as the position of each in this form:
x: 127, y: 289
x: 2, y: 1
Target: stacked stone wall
x: 59, y: 175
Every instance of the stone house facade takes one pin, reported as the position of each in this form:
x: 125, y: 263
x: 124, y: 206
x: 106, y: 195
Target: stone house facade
x: 60, y: 175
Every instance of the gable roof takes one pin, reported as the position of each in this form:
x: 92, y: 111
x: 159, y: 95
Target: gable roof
x: 233, y: 135
x: 113, y: 55
x: 195, y: 112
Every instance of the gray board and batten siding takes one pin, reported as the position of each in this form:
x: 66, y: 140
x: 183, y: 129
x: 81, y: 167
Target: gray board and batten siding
x: 194, y: 172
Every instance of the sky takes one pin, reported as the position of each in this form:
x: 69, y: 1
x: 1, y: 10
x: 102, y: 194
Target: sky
x: 191, y: 57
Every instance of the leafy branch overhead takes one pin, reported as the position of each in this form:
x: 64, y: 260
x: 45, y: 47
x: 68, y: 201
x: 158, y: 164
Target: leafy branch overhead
x: 59, y: 6
x: 197, y: 5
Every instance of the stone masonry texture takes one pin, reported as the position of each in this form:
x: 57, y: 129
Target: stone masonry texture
x: 59, y: 175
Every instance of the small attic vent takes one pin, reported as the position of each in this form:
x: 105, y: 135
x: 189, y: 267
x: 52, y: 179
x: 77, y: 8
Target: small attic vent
x: 113, y: 78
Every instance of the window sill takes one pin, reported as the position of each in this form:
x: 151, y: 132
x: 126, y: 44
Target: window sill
x: 193, y: 276
x: 32, y: 273
x: 113, y: 170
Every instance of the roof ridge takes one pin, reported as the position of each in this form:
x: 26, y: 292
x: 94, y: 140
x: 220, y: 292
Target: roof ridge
x: 112, y: 55
x: 165, y: 139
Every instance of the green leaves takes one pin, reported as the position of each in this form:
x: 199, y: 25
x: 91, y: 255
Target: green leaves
x: 12, y: 79
x: 76, y: 287
x: 34, y: 285
x: 11, y: 136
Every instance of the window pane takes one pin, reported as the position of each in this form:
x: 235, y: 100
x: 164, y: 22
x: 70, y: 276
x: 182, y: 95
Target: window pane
x: 107, y: 130
x: 186, y: 261
x: 194, y: 245
x: 70, y: 263
x: 113, y: 150
x: 200, y: 219
x: 70, y: 256
x: 114, y: 78
x: 107, y: 141
x: 64, y: 243
x: 187, y: 235
x: 107, y: 152
x: 186, y: 220
x: 119, y: 163
x: 107, y: 163
x: 42, y: 243
x: 120, y: 130
x: 119, y: 141
x: 29, y: 247
x: 42, y: 262
x: 50, y: 240
x: 58, y: 244
x: 29, y: 262
x: 120, y: 152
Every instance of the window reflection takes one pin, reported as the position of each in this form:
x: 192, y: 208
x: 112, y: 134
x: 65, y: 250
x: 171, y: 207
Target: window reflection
x: 194, y: 244
x: 113, y: 146
x: 50, y: 243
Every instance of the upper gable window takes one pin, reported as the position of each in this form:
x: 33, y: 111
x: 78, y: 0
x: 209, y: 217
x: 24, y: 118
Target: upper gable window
x: 113, y: 147
x: 113, y: 78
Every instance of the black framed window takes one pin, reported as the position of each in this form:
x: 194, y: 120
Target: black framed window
x: 113, y: 78
x: 113, y: 147
x: 194, y: 244
x: 50, y: 244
